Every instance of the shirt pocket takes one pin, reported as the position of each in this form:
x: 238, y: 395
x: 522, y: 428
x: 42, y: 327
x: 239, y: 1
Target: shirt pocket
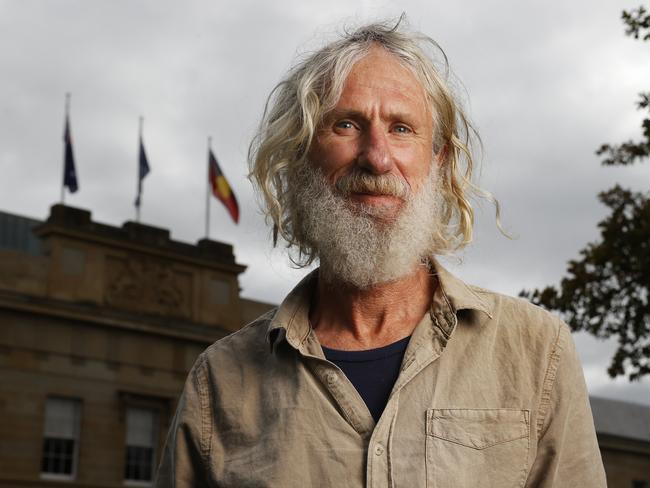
x: 476, y: 447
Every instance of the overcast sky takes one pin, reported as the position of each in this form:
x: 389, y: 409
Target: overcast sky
x: 545, y: 84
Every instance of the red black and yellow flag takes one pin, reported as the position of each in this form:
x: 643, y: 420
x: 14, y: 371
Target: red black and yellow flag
x: 221, y: 188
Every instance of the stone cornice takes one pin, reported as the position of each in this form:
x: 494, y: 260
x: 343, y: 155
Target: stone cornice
x: 101, y: 316
x: 77, y: 224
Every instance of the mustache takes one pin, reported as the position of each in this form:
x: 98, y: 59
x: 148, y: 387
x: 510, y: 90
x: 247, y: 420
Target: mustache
x: 359, y: 181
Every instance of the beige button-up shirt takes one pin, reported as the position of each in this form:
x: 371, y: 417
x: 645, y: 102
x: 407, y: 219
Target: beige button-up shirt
x: 490, y: 394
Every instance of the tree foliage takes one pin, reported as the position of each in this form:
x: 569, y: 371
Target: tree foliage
x: 631, y: 151
x: 636, y: 22
x: 607, y: 289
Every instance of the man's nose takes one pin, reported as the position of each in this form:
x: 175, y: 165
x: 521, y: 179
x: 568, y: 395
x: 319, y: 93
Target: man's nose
x: 375, y: 155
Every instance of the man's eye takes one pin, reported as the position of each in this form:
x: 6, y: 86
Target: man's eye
x: 344, y: 124
x: 401, y: 129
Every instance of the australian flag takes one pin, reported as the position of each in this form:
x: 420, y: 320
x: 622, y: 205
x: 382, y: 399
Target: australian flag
x: 143, y: 165
x: 69, y: 171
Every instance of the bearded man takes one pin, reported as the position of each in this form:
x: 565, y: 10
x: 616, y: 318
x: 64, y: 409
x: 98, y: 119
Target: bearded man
x: 380, y: 368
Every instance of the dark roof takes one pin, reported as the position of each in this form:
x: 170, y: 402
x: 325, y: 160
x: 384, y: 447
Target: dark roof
x: 16, y: 233
x: 622, y: 419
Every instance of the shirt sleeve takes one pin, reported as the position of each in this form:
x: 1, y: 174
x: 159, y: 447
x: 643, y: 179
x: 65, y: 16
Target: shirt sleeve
x: 187, y: 448
x: 567, y: 449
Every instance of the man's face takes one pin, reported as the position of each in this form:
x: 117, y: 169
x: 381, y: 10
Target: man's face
x: 368, y: 197
x: 380, y: 126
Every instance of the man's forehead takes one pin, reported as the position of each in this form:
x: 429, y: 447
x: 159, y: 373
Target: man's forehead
x: 381, y: 74
x: 378, y: 66
x: 381, y: 84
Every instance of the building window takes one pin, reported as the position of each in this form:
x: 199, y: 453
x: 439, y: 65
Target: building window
x: 61, y: 437
x: 141, y: 436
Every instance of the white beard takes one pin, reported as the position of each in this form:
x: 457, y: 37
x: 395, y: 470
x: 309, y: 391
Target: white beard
x: 354, y: 244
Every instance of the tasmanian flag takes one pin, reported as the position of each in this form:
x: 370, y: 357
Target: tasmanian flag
x: 69, y: 171
x: 221, y: 188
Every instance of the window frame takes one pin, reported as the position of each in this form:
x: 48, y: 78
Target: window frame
x: 155, y: 436
x: 45, y: 475
x: 163, y: 406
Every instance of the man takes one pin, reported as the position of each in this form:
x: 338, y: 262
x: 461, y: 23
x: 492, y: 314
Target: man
x: 380, y: 368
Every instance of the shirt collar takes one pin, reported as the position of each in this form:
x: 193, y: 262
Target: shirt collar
x: 291, y: 320
x: 461, y: 296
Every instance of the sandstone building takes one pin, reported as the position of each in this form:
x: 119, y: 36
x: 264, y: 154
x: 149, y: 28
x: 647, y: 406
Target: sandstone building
x: 99, y: 326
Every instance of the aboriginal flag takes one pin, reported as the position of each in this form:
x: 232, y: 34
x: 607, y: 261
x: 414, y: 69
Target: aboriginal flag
x: 69, y: 171
x: 220, y: 187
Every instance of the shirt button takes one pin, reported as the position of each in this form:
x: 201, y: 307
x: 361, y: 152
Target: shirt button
x: 379, y: 450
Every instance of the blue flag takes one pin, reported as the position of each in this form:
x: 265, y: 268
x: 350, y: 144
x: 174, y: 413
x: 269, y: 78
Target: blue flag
x: 69, y: 171
x: 143, y: 170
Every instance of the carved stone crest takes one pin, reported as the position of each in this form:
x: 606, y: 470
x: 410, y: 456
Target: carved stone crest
x: 148, y: 285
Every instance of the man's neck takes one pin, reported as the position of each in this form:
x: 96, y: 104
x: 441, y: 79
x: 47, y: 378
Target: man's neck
x: 351, y: 319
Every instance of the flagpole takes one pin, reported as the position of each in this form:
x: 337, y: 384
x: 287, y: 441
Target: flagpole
x: 137, y: 207
x: 207, y: 194
x: 66, y: 122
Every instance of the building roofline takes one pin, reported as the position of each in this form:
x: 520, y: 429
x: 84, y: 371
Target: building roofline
x: 620, y: 418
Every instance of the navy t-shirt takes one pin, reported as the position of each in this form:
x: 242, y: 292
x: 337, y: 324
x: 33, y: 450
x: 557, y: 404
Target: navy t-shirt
x: 373, y: 372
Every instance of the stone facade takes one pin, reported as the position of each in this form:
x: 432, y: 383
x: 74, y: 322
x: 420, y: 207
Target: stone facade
x: 111, y: 320
x: 627, y: 461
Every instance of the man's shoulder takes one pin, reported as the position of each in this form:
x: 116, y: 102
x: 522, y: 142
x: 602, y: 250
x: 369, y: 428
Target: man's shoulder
x: 518, y: 314
x: 533, y: 338
x: 507, y: 314
x: 250, y: 340
x: 249, y: 334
